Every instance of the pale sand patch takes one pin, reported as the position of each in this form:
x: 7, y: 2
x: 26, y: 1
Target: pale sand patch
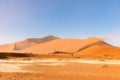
x: 112, y: 62
x: 50, y: 60
x: 10, y: 68
x: 16, y: 65
x: 53, y: 64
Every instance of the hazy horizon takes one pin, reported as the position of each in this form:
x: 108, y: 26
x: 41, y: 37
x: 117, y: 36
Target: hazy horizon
x: 21, y: 19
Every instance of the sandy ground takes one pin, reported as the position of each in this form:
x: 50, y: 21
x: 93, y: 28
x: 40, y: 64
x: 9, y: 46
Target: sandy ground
x: 59, y: 69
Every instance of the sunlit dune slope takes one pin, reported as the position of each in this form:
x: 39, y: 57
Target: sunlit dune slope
x: 66, y: 45
x: 7, y: 48
x: 25, y: 44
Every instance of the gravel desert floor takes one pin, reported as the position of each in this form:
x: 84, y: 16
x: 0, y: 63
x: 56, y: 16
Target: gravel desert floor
x: 59, y: 69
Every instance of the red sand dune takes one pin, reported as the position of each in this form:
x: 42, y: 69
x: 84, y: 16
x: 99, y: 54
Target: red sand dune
x: 49, y: 44
x: 66, y: 45
x: 102, y: 49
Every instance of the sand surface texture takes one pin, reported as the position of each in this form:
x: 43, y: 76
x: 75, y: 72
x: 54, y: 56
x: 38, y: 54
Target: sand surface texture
x: 59, y: 69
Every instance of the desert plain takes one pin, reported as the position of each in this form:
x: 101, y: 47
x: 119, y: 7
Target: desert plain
x: 59, y: 69
x: 53, y: 58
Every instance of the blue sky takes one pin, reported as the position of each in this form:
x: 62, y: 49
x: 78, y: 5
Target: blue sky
x: 20, y: 19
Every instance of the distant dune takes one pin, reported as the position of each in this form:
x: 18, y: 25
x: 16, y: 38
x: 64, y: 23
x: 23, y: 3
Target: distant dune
x: 91, y: 47
x: 32, y: 41
x: 66, y: 45
x: 100, y: 50
x: 7, y: 48
x: 25, y: 44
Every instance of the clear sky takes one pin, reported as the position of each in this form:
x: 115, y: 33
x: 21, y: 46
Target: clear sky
x: 20, y: 19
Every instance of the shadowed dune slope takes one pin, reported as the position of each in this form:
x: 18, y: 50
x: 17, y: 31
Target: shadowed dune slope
x: 101, y: 49
x: 32, y: 41
x: 66, y: 45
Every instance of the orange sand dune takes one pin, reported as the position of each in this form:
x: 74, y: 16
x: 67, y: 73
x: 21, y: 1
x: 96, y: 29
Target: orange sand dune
x: 25, y: 44
x: 98, y: 50
x: 66, y: 45
x: 7, y: 48
x: 32, y: 41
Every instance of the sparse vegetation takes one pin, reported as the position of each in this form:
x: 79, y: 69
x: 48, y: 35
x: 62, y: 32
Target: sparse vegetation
x: 78, y: 57
x: 101, y: 60
x: 59, y: 59
x: 104, y: 65
x: 106, y: 55
x: 5, y: 55
x: 60, y: 52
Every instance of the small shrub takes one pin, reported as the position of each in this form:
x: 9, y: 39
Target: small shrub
x: 78, y: 57
x: 101, y: 60
x: 105, y: 65
x: 106, y: 55
x: 59, y: 59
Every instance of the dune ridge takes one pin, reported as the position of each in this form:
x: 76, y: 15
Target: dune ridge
x: 65, y: 45
x: 91, y: 47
